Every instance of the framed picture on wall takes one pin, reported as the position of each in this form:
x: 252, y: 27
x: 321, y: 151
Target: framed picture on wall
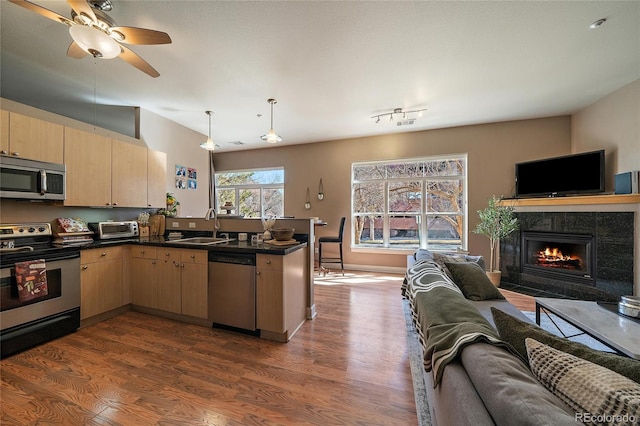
x: 192, y: 173
x: 181, y: 170
x: 192, y: 184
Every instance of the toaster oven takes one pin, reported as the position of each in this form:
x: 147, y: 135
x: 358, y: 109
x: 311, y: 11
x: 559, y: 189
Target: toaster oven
x: 109, y: 230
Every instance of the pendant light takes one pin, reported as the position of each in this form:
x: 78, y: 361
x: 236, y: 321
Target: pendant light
x: 208, y: 145
x: 271, y: 136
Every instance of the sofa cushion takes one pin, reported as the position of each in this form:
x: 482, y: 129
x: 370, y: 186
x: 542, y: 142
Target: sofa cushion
x: 473, y: 281
x: 583, y: 385
x: 512, y: 395
x: 514, y: 331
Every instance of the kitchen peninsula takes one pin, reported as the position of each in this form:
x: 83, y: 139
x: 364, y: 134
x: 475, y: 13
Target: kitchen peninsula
x: 175, y: 280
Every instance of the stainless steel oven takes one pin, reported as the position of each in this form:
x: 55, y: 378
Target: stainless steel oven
x: 24, y: 324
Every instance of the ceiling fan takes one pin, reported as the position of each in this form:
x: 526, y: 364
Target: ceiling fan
x: 95, y: 33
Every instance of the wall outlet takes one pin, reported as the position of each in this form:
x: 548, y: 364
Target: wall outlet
x: 175, y: 224
x: 192, y: 224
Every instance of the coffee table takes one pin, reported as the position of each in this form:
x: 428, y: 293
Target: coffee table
x: 614, y: 330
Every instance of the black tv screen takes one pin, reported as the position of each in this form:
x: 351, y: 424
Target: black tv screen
x: 567, y: 175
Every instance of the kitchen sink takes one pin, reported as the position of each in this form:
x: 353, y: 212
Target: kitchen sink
x: 200, y: 240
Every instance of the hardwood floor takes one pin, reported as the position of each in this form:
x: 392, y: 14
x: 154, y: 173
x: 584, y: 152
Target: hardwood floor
x: 347, y: 366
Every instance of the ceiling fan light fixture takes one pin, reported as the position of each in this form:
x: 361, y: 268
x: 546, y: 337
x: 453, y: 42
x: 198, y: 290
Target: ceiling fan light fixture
x: 271, y: 136
x: 95, y: 42
x: 208, y: 144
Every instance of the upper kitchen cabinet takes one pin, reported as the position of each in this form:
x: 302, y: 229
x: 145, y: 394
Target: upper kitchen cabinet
x: 31, y: 138
x: 88, y: 160
x: 129, y: 174
x: 4, y: 132
x: 102, y: 171
x: 156, y: 178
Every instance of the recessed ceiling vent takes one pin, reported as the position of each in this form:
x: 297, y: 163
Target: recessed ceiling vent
x: 406, y: 122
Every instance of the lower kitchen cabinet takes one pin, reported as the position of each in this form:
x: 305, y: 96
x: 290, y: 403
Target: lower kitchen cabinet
x: 142, y: 276
x: 170, y: 279
x: 280, y: 294
x: 101, y: 283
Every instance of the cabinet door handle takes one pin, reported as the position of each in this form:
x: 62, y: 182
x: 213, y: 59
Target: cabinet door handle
x: 15, y: 154
x: 115, y: 204
x: 103, y: 254
x: 193, y: 256
x: 268, y: 262
x: 258, y: 273
x: 141, y: 251
x: 153, y: 262
x: 167, y: 254
x: 84, y: 267
x: 3, y: 152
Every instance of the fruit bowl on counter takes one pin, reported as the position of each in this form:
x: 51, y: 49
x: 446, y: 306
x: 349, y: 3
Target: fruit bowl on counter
x: 282, y: 234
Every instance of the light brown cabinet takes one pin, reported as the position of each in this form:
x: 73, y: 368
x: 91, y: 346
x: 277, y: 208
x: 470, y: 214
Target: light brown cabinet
x: 101, y: 283
x: 143, y: 267
x: 156, y: 178
x: 171, y: 280
x: 107, y: 172
x: 280, y: 294
x: 128, y: 174
x: 32, y: 138
x: 88, y: 160
x: 4, y: 132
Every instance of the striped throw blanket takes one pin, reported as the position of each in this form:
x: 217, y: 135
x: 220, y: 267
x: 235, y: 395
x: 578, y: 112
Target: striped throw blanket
x: 446, y: 321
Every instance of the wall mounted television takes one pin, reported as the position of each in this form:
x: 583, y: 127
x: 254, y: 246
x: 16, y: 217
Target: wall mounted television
x: 575, y: 174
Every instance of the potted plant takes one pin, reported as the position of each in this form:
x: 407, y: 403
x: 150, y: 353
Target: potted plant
x: 497, y: 221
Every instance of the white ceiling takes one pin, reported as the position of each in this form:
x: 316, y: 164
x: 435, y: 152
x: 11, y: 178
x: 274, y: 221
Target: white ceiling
x: 332, y: 65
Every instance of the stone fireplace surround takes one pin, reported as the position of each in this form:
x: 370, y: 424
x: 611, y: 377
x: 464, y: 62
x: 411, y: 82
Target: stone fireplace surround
x: 615, y: 230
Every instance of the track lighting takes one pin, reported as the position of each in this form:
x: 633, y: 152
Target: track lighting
x: 398, y: 112
x: 208, y: 145
x: 271, y: 136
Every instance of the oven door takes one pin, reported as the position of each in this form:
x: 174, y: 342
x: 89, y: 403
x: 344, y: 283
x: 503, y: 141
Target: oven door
x: 63, y: 285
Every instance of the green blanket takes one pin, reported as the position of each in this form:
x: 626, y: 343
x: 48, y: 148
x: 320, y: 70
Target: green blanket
x: 445, y: 320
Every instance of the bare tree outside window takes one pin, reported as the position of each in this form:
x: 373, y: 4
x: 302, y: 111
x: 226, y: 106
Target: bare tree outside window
x: 409, y: 204
x: 254, y: 193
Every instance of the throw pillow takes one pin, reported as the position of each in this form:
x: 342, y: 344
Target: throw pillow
x: 473, y: 281
x: 514, y: 331
x: 441, y: 258
x: 590, y: 389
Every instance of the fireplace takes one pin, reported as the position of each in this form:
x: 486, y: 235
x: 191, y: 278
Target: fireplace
x: 558, y: 255
x: 596, y: 261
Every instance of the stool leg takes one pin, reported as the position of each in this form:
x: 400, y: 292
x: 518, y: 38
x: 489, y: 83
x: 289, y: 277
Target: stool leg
x: 320, y: 258
x: 341, y: 264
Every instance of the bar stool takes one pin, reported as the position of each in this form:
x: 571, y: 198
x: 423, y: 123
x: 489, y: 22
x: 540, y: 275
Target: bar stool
x: 334, y: 240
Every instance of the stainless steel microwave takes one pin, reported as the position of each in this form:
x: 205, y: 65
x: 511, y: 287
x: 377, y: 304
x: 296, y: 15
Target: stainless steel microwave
x: 31, y: 180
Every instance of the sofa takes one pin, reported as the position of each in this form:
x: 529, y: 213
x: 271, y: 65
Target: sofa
x: 474, y: 376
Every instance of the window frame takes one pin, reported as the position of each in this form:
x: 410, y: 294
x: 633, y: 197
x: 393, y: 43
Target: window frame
x: 423, y: 215
x: 237, y: 188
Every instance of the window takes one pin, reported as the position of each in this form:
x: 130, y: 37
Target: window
x: 255, y: 193
x: 411, y: 203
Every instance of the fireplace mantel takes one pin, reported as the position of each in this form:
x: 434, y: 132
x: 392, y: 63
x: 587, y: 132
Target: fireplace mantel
x: 574, y: 201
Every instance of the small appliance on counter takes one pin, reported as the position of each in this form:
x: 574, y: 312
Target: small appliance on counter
x: 110, y: 230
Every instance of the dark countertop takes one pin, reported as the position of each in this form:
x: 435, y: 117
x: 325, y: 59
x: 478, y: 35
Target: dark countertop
x: 234, y: 246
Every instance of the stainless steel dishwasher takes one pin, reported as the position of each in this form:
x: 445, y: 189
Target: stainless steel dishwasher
x: 232, y: 290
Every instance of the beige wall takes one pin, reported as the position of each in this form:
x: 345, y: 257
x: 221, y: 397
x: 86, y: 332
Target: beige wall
x: 182, y: 146
x: 612, y: 123
x: 492, y: 150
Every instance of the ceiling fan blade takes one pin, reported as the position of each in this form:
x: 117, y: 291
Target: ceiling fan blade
x: 81, y: 7
x: 42, y: 11
x: 135, y: 60
x: 75, y: 51
x: 133, y: 35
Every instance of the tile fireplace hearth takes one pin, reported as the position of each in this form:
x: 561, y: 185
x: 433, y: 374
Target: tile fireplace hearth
x: 577, y: 255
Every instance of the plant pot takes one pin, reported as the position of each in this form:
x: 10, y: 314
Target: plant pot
x: 494, y: 277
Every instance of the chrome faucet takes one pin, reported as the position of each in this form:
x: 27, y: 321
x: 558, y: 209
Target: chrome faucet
x: 216, y: 225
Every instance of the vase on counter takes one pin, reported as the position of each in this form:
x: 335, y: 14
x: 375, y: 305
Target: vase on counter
x: 266, y: 235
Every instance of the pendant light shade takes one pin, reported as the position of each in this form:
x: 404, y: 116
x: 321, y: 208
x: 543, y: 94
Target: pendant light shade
x: 95, y: 42
x: 208, y: 145
x: 271, y: 136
